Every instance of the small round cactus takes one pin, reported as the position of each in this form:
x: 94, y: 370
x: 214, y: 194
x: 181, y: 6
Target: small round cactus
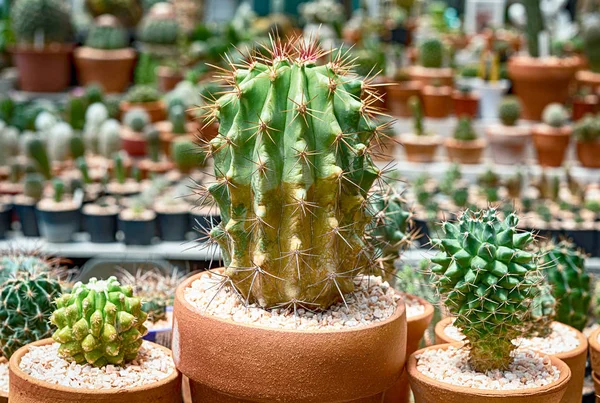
x: 555, y: 115
x: 464, y: 130
x: 107, y: 34
x: 47, y: 20
x: 431, y: 53
x: 159, y: 27
x: 487, y: 279
x: 136, y: 119
x: 99, y: 323
x: 186, y: 155
x: 510, y: 111
x: 152, y: 143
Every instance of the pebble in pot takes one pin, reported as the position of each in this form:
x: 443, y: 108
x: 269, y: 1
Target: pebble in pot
x: 484, y: 264
x: 59, y: 217
x: 99, y: 333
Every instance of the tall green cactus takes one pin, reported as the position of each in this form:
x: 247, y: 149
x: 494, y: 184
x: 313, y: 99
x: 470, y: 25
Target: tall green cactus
x: 417, y: 114
x: 293, y: 173
x: 37, y: 151
x: 488, y: 280
x: 591, y: 45
x: 535, y: 25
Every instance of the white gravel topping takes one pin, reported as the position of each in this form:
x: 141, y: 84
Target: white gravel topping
x: 587, y: 332
x: 151, y: 365
x: 528, y: 370
x: 561, y: 340
x: 373, y: 300
x: 4, y: 377
x: 413, y: 306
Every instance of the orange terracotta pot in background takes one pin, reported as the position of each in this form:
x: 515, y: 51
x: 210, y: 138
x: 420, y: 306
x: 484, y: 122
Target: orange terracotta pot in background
x: 551, y: 144
x: 431, y: 76
x: 398, y: 96
x: 43, y: 70
x: 587, y: 78
x: 111, y: 69
x: 420, y: 149
x: 156, y: 110
x: 465, y: 152
x: 595, y: 351
x: 168, y: 78
x: 416, y: 325
x: 581, y: 106
x: 508, y: 143
x: 541, y: 81
x: 429, y: 390
x: 236, y: 363
x: 437, y: 101
x: 27, y: 389
x: 465, y: 104
x: 588, y: 153
x: 133, y: 143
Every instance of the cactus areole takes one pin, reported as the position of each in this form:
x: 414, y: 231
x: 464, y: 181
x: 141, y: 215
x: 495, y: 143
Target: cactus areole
x: 293, y: 173
x: 488, y: 280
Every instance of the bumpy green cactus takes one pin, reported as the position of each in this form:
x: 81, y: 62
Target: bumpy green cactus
x: 37, y: 151
x: 136, y: 119
x: 158, y: 31
x: 99, y: 323
x: 510, y: 111
x: 431, y: 53
x: 487, y: 279
x: 14, y: 262
x: 293, y: 171
x: 153, y: 143
x: 142, y: 94
x: 591, y: 45
x: 417, y: 114
x: 555, y: 115
x: 33, y: 186
x: 107, y: 34
x: 25, y: 307
x: 177, y: 119
x: 464, y: 130
x: 185, y: 155
x: 565, y: 270
x: 45, y: 20
x: 543, y: 310
x: 109, y: 138
x: 389, y: 232
x: 155, y: 308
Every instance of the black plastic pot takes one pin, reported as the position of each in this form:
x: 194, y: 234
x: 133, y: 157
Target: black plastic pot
x: 173, y: 226
x: 585, y: 239
x: 202, y: 222
x: 101, y: 227
x: 5, y: 220
x: 59, y: 226
x: 423, y: 230
x: 138, y: 232
x: 28, y: 219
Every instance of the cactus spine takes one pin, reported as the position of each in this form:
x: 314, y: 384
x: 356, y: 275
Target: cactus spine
x: 487, y: 279
x: 293, y: 174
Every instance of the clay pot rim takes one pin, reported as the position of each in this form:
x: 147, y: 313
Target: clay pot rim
x: 543, y: 129
x: 89, y: 53
x: 436, y: 91
x: 441, y: 326
x: 430, y: 72
x: 593, y: 342
x: 126, y: 105
x: 583, y: 341
x: 16, y: 370
x: 54, y: 47
x: 179, y: 295
x: 3, y: 394
x: 433, y: 139
x: 536, y: 62
x: 411, y: 365
x: 500, y: 130
x: 587, y: 76
x: 466, y: 145
x: 429, y: 309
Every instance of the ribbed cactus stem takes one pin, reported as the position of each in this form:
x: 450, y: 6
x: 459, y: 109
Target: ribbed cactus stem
x: 119, y: 168
x: 535, y: 25
x: 153, y: 143
x: 417, y: 113
x: 293, y: 173
x: 59, y: 189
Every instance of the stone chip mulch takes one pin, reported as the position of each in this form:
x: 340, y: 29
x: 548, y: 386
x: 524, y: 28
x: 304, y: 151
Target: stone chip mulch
x: 3, y: 377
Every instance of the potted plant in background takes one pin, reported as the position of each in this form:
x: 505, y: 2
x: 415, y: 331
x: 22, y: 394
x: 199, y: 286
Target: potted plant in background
x: 147, y: 98
x: 121, y: 185
x: 420, y: 146
x: 587, y: 141
x: 301, y: 260
x: 24, y: 204
x: 133, y: 138
x: 583, y: 102
x: 186, y: 155
x: 500, y: 303
x: 591, y: 45
x: 106, y: 58
x: 400, y: 92
x: 155, y: 163
x: 465, y: 101
x: 146, y: 370
x: 465, y: 147
x: 176, y: 126
x: 437, y: 100
x: 59, y: 217
x: 489, y: 86
x: 41, y: 53
x: 100, y: 219
x: 508, y: 139
x: 138, y: 222
x: 539, y: 80
x: 551, y: 138
x: 431, y: 61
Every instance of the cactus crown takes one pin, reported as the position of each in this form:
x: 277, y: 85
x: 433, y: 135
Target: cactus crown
x: 136, y: 119
x: 464, y: 130
x: 510, y: 111
x: 555, y: 115
x: 159, y: 27
x: 565, y: 270
x: 107, y: 34
x: 47, y: 21
x: 487, y: 279
x: 293, y: 170
x: 431, y: 53
x: 99, y: 323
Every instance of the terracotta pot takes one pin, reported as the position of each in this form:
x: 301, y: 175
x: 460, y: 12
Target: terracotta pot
x: 465, y: 152
x: 398, y: 96
x: 541, y: 81
x: 508, y: 143
x: 587, y: 78
x: 267, y: 365
x: 156, y: 110
x: 429, y: 390
x: 584, y: 105
x: 437, y: 101
x: 596, y: 380
x: 595, y: 351
x: 27, y: 389
x: 588, y: 153
x: 551, y: 144
x: 168, y: 78
x: 576, y: 360
x: 111, y: 69
x: 416, y: 326
x: 43, y: 70
x: 133, y: 143
x: 420, y: 148
x: 429, y: 76
x: 465, y: 104
x: 3, y: 395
